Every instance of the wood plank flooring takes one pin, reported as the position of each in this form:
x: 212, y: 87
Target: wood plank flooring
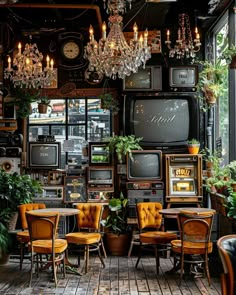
x: 119, y: 277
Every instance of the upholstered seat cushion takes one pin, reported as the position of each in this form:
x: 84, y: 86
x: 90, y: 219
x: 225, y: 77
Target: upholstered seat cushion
x: 190, y: 247
x: 84, y: 238
x: 45, y: 246
x: 157, y: 237
x: 23, y: 236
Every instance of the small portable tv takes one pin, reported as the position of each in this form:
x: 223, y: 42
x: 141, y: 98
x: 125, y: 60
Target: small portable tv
x: 183, y: 78
x: 100, y: 175
x: 145, y: 165
x: 98, y: 154
x: 44, y: 155
x: 148, y: 79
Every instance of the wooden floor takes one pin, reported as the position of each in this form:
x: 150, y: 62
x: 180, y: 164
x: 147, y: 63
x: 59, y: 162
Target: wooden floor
x: 119, y: 277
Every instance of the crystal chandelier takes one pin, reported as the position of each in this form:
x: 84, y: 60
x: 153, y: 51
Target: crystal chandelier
x: 185, y: 45
x: 27, y: 70
x: 112, y: 55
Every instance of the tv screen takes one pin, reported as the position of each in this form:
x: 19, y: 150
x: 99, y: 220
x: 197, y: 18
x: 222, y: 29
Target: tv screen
x: 164, y: 121
x: 100, y: 175
x: 145, y: 165
x: 183, y: 76
x: 44, y: 155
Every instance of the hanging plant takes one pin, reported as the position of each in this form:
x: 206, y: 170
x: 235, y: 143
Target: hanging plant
x: 109, y: 103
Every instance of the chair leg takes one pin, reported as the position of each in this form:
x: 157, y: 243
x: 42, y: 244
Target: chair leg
x: 103, y: 248
x: 22, y: 245
x: 181, y: 267
x: 54, y: 269
x: 139, y: 255
x: 100, y: 256
x: 86, y: 258
x: 157, y: 258
x: 207, y: 269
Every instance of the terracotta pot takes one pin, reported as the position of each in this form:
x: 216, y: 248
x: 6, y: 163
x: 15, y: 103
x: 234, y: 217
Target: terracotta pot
x: 118, y: 245
x: 42, y: 108
x: 193, y: 149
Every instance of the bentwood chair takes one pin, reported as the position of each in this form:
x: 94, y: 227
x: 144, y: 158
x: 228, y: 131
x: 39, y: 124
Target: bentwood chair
x: 149, y: 222
x: 23, y: 236
x: 88, y: 236
x: 194, y: 244
x: 227, y: 251
x: 46, y: 250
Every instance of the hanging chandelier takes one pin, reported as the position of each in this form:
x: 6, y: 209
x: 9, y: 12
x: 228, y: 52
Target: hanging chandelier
x: 27, y: 70
x: 186, y: 46
x: 112, y: 55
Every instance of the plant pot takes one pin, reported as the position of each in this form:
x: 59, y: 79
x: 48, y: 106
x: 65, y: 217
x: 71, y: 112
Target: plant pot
x: 118, y: 245
x: 4, y: 257
x: 42, y: 108
x: 193, y: 148
x: 209, y: 95
x: 13, y: 221
x: 232, y: 65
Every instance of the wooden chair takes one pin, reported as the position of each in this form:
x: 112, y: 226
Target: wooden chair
x: 227, y: 251
x: 88, y: 236
x: 43, y: 240
x: 149, y: 222
x: 23, y: 236
x: 194, y: 242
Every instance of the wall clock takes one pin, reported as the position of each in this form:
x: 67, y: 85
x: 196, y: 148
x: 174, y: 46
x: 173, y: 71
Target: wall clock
x: 71, y: 51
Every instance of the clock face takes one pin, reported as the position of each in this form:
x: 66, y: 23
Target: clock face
x: 71, y: 50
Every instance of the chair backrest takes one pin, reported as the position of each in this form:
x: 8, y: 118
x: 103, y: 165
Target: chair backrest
x: 42, y: 226
x: 227, y: 251
x: 28, y: 207
x: 89, y: 215
x: 148, y: 215
x: 195, y: 228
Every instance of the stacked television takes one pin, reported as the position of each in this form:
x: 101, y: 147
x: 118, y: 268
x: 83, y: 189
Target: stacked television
x: 165, y: 120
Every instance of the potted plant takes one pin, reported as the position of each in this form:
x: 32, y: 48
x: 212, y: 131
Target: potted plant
x: 117, y: 235
x: 108, y: 102
x: 229, y: 55
x: 123, y: 145
x: 15, y: 190
x: 211, y: 81
x: 43, y: 104
x: 193, y: 146
x: 22, y: 99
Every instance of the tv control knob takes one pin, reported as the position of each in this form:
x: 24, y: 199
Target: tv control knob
x: 136, y: 186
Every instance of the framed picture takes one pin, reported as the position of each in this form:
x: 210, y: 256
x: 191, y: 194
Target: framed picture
x: 74, y: 189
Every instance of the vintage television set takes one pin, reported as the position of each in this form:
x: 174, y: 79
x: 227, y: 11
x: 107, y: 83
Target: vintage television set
x: 145, y: 165
x: 148, y: 79
x: 100, y: 177
x: 44, y: 155
x: 183, y: 78
x: 165, y: 121
x: 98, y: 154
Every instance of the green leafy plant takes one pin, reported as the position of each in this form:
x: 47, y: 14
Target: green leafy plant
x: 193, y: 141
x: 116, y: 220
x: 211, y: 81
x: 109, y: 102
x: 123, y: 145
x: 22, y: 99
x: 231, y: 205
x: 44, y: 100
x: 229, y: 53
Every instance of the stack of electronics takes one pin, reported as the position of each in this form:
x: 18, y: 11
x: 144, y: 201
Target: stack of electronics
x: 73, y: 168
x: 10, y: 151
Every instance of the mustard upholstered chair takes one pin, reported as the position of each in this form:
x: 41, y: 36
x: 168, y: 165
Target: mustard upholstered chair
x: 227, y: 251
x: 149, y: 222
x: 23, y: 236
x: 194, y: 242
x: 43, y: 240
x: 88, y: 236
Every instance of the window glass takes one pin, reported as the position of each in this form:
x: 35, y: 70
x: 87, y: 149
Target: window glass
x: 73, y: 122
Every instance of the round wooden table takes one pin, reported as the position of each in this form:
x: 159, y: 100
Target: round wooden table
x: 176, y: 211
x: 61, y: 211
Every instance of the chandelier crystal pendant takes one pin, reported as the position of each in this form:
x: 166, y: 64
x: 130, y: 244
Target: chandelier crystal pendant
x: 186, y: 46
x: 27, y: 70
x: 112, y: 55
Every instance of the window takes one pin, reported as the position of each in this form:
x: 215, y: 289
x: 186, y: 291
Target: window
x: 77, y: 119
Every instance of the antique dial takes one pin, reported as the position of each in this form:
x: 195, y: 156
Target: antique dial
x: 70, y: 50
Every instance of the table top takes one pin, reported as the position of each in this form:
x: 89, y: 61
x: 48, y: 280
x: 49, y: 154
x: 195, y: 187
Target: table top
x: 176, y: 211
x: 61, y: 211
